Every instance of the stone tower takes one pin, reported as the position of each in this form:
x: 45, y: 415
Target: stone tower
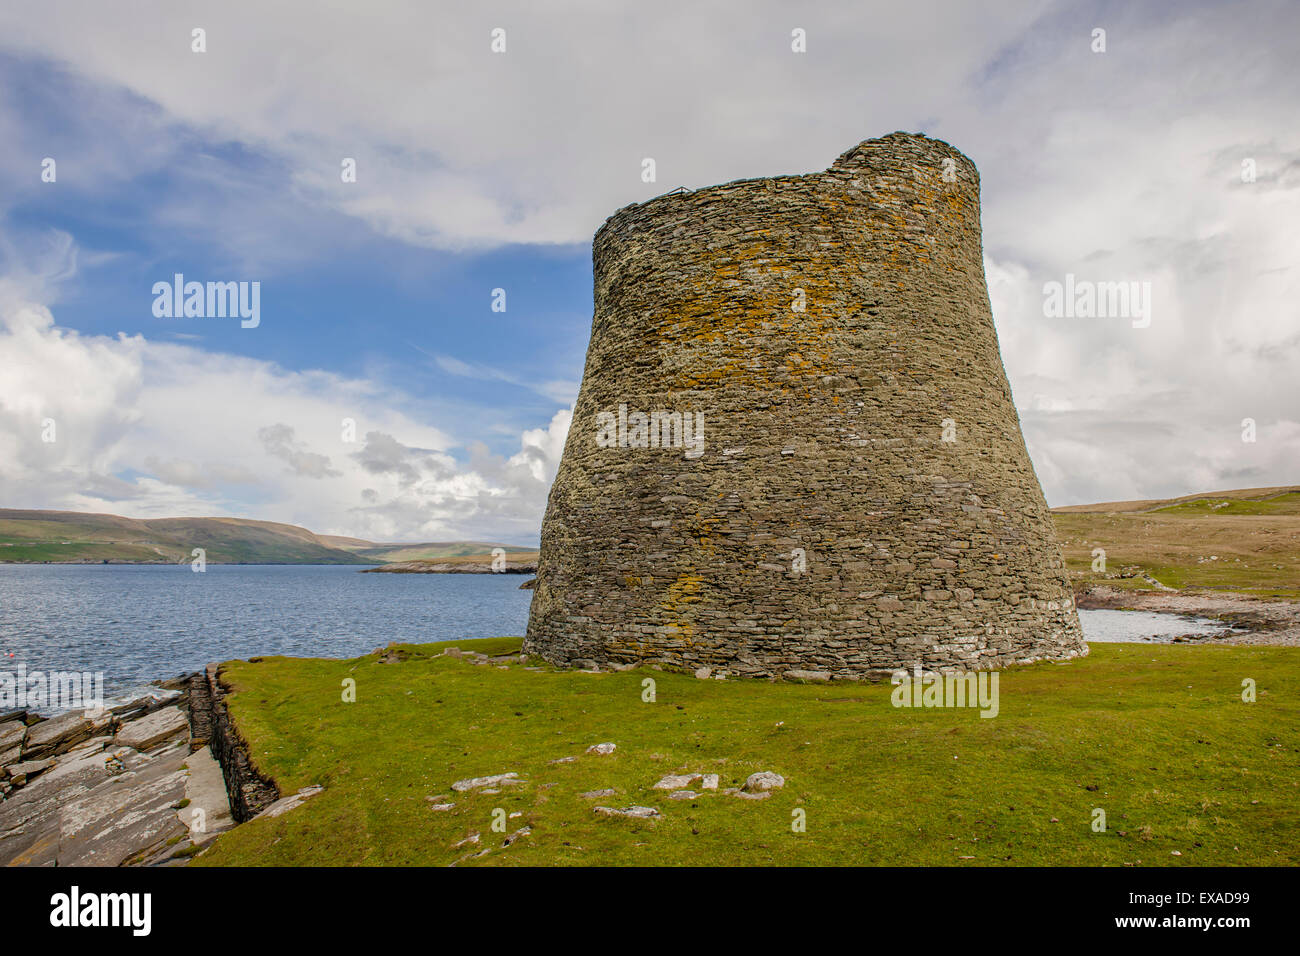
x: 795, y: 448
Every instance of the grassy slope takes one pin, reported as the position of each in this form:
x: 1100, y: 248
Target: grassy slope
x: 73, y: 536
x: 1151, y: 504
x: 1256, y: 541
x: 1179, y: 761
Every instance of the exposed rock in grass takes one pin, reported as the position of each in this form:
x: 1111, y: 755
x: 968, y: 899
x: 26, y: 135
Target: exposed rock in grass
x: 601, y: 749
x: 633, y: 811
x: 392, y: 654
x: 442, y: 806
x: 475, y: 783
x: 764, y: 780
x: 710, y: 781
x: 683, y: 795
x: 285, y: 804
x: 676, y: 781
x: 597, y: 794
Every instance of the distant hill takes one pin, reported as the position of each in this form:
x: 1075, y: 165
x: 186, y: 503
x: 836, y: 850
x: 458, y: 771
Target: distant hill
x: 1247, y: 540
x: 344, y: 543
x: 1259, y: 496
x: 29, y: 536
x: 71, y: 536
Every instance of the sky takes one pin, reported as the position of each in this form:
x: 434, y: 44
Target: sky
x: 380, y: 395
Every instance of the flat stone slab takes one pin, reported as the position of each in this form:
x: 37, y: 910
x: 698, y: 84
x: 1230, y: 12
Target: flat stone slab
x: 99, y: 802
x: 19, y: 772
x: 601, y: 749
x: 474, y: 783
x: 643, y: 813
x: 208, y: 811
x: 677, y: 781
x: 93, y: 745
x: 12, y: 734
x: 521, y: 832
x: 285, y: 804
x: 95, y: 808
x: 128, y: 816
x: 763, y: 781
x: 153, y: 729
x: 59, y: 734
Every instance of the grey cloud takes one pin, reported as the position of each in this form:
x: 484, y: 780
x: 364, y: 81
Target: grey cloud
x: 189, y: 474
x: 109, y: 487
x: 384, y: 455
x: 278, y: 440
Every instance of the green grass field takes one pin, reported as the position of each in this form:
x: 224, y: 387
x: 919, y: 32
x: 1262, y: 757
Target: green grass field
x: 1156, y: 736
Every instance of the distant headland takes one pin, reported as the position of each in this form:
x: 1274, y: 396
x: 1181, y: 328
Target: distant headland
x: 73, y: 537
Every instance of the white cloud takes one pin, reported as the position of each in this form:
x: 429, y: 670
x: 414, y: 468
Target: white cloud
x: 458, y: 147
x: 151, y: 429
x: 1115, y: 166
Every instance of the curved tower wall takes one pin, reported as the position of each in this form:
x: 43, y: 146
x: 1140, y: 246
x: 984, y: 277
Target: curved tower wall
x: 861, y: 499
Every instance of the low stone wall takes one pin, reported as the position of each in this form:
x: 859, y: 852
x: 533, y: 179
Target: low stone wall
x: 249, y: 790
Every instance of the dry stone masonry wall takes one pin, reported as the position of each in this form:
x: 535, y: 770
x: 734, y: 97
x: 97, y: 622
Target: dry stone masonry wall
x: 846, y: 490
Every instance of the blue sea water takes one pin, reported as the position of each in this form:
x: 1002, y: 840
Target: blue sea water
x: 139, y: 623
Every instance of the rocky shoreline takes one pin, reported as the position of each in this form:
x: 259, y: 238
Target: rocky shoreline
x: 120, y: 787
x: 1265, y: 622
x: 148, y: 782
